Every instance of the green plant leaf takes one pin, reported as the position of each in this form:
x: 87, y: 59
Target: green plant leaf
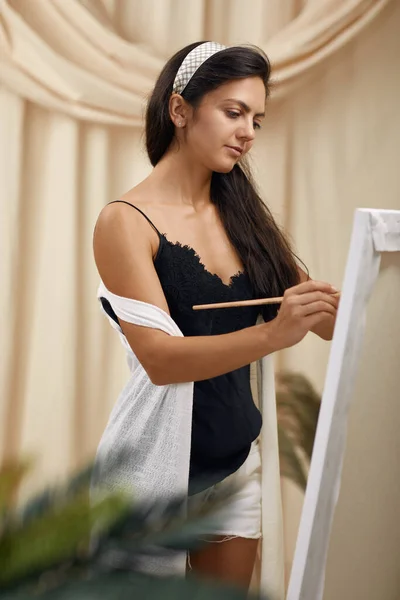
x: 11, y: 476
x: 56, y: 527
x: 132, y: 586
x: 298, y: 407
x: 54, y: 537
x: 163, y: 525
x: 290, y: 463
x: 52, y: 497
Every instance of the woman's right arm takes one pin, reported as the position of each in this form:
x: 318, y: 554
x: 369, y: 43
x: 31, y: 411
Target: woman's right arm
x: 124, y: 248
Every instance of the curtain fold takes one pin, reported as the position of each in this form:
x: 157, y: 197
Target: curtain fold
x: 60, y: 56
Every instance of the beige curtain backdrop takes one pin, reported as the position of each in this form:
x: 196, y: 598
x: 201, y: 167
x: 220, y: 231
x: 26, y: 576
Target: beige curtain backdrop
x: 74, y: 79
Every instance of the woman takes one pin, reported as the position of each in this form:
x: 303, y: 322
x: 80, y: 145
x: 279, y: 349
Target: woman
x: 195, y: 231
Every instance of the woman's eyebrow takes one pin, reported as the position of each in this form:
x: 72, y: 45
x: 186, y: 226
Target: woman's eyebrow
x: 245, y: 107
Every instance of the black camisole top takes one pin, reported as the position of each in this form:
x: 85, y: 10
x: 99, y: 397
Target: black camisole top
x: 225, y: 418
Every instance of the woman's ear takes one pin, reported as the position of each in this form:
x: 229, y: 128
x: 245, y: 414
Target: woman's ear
x: 178, y: 110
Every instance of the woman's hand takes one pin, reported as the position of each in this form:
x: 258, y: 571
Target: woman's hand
x: 305, y: 307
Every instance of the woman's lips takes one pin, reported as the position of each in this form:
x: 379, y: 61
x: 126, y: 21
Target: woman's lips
x: 235, y: 150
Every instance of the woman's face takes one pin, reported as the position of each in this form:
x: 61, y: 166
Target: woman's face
x: 223, y: 128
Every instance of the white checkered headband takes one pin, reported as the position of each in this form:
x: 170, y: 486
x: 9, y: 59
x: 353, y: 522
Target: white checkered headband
x: 192, y: 62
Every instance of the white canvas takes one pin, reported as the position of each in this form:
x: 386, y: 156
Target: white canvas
x: 374, y: 232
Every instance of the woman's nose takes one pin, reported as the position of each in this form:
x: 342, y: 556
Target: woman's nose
x: 247, y: 132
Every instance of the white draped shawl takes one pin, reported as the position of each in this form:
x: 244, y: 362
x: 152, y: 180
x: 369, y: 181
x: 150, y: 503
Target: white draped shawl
x: 154, y: 424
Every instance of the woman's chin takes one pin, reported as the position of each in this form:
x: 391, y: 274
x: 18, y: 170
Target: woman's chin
x: 224, y: 167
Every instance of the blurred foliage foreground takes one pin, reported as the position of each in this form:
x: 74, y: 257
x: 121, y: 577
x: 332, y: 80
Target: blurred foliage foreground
x: 48, y: 548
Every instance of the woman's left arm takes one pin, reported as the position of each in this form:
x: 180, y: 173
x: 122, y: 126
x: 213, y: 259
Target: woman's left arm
x: 324, y: 329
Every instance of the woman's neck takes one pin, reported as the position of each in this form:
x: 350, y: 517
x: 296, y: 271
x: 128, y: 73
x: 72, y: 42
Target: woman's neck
x: 183, y: 179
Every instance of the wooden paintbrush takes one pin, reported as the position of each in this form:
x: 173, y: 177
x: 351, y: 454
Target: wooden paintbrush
x: 257, y: 302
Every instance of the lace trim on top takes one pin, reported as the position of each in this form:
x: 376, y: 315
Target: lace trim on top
x: 233, y: 279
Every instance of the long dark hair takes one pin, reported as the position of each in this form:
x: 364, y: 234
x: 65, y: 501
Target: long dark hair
x: 250, y: 226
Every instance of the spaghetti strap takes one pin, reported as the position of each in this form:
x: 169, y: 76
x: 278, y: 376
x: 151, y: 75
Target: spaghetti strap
x: 138, y: 209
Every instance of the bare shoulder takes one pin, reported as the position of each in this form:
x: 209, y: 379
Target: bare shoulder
x: 122, y: 213
x: 124, y: 244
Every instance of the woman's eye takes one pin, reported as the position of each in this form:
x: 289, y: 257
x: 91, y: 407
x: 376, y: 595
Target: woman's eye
x: 232, y: 114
